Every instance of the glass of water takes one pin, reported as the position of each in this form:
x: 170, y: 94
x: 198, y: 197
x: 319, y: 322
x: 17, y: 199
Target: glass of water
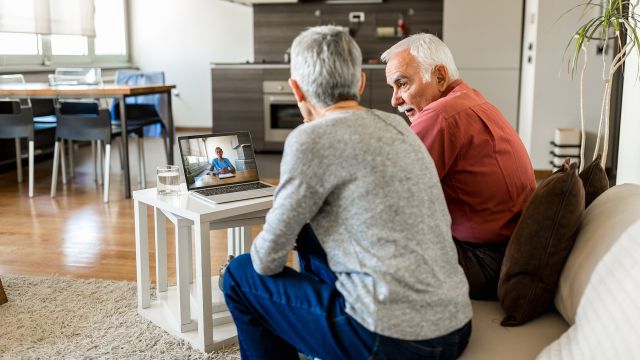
x: 168, y: 180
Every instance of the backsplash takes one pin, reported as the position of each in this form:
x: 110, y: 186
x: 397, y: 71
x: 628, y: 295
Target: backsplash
x: 276, y: 25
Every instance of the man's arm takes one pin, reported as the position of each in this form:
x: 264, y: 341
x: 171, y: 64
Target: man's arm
x: 230, y: 168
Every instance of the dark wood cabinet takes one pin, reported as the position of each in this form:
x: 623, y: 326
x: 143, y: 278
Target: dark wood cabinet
x: 238, y: 99
x: 381, y: 95
x: 238, y: 102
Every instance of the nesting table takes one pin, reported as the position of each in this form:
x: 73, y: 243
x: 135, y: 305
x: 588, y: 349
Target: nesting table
x: 195, y: 312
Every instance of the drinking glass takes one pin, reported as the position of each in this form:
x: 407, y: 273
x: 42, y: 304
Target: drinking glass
x: 168, y: 180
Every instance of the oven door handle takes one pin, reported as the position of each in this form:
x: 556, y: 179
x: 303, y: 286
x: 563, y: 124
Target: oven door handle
x: 281, y: 99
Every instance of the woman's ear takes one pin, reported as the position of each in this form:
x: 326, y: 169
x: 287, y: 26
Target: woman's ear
x: 363, y: 82
x: 297, y: 92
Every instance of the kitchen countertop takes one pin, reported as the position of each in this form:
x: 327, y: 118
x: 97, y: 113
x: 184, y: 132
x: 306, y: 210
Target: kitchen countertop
x: 274, y: 66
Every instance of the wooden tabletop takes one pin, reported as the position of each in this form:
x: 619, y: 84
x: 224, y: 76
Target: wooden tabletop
x: 44, y: 89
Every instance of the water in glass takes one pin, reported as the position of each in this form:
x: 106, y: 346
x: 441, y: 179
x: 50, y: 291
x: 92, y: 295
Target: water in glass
x: 168, y: 180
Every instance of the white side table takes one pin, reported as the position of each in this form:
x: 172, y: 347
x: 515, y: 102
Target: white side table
x: 174, y: 305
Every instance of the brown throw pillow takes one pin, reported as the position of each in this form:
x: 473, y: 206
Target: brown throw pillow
x: 594, y: 180
x: 539, y: 246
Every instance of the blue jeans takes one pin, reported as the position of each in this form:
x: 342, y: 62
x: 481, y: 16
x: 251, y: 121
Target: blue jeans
x: 281, y: 315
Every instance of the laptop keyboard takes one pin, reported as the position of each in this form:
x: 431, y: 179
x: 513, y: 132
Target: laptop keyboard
x: 233, y: 188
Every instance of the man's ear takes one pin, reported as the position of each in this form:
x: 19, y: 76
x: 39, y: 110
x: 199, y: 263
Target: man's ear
x: 363, y: 82
x: 297, y: 92
x: 441, y: 74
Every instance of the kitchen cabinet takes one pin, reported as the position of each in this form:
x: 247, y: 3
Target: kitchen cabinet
x: 381, y: 92
x: 238, y: 97
x: 237, y: 102
x: 488, y: 60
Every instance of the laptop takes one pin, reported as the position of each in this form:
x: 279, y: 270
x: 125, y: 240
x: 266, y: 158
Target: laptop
x: 221, y: 168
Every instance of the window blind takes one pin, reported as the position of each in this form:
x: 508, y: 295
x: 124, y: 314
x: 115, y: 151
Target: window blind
x: 60, y: 17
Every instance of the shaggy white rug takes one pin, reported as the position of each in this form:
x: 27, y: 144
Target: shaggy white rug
x: 65, y: 318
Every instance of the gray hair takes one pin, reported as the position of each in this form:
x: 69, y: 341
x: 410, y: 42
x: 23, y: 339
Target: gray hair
x: 429, y: 52
x: 327, y: 64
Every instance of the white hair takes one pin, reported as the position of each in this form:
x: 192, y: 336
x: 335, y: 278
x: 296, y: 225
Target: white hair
x: 327, y: 64
x: 429, y: 51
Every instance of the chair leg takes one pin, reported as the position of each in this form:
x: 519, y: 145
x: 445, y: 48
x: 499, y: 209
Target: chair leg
x: 63, y: 162
x: 120, y: 151
x: 71, y: 166
x: 54, y: 172
x: 99, y: 161
x: 165, y: 141
x: 95, y: 160
x: 18, y: 160
x: 107, y: 167
x: 31, y: 156
x: 143, y: 182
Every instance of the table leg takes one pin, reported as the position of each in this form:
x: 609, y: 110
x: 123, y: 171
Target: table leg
x: 161, y: 250
x: 125, y: 148
x: 231, y: 241
x: 239, y: 240
x: 295, y: 261
x: 190, y: 254
x: 183, y: 273
x: 142, y: 255
x: 247, y: 239
x: 203, y: 284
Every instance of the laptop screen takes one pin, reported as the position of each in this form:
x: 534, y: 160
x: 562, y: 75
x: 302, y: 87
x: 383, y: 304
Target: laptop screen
x: 218, y: 159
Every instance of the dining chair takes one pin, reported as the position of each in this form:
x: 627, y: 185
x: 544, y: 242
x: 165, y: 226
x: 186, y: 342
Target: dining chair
x: 71, y: 77
x: 82, y: 119
x: 16, y: 121
x: 144, y: 113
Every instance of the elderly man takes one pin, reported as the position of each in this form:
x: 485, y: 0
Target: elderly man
x: 485, y: 171
x: 221, y: 165
x: 379, y: 277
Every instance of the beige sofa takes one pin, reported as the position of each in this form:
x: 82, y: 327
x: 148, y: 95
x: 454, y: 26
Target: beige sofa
x: 598, y: 298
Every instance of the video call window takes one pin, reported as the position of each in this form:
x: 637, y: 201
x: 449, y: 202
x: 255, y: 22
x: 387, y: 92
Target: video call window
x: 218, y: 160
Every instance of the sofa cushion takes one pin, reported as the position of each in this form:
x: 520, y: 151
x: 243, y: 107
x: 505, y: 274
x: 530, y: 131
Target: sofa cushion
x: 602, y: 224
x: 540, y: 245
x: 490, y: 341
x: 594, y: 180
x: 607, y: 324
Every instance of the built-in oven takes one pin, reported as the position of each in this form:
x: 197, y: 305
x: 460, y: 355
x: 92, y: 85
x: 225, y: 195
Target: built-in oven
x: 281, y: 113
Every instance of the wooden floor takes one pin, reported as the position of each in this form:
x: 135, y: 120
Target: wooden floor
x: 76, y: 234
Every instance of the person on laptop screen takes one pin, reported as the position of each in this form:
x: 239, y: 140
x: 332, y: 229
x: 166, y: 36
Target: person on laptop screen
x: 379, y: 273
x: 221, y: 166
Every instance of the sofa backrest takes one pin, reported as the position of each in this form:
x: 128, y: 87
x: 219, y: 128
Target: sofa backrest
x: 600, y: 284
x: 603, y: 223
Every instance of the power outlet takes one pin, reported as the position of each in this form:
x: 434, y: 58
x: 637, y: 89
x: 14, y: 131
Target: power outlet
x: 356, y: 16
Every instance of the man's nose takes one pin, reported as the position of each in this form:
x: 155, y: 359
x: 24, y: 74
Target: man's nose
x: 396, y: 99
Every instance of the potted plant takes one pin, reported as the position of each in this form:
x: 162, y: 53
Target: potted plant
x: 616, y: 21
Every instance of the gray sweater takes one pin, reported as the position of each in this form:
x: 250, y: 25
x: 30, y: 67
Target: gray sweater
x: 370, y: 190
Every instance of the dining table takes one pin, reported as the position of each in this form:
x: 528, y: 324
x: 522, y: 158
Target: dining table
x: 119, y: 92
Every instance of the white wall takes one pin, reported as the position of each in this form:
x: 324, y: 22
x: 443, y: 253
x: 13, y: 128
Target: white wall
x: 487, y: 53
x: 182, y: 38
x: 550, y: 98
x: 629, y: 150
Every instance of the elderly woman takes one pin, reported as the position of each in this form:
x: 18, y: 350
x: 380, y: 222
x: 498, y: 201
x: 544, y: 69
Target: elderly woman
x: 377, y: 280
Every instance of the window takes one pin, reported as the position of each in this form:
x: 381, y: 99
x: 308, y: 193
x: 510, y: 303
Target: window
x: 108, y: 46
x: 19, y: 44
x: 68, y: 45
x: 110, y: 25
